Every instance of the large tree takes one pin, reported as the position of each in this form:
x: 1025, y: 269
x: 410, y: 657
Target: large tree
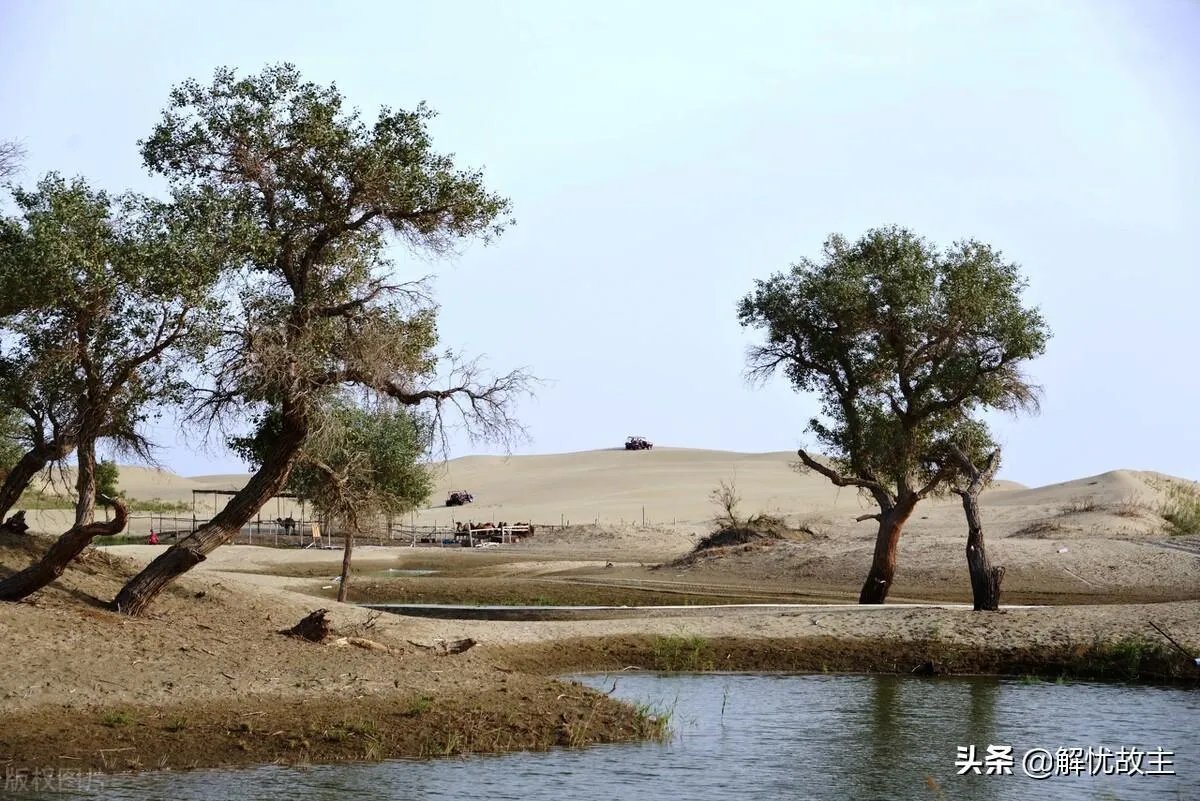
x: 358, y: 464
x: 903, y: 343
x: 104, y: 300
x: 109, y: 302
x: 319, y: 193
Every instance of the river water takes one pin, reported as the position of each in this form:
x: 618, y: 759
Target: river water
x: 768, y: 737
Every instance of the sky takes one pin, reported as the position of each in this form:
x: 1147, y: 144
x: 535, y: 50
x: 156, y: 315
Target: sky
x: 661, y: 156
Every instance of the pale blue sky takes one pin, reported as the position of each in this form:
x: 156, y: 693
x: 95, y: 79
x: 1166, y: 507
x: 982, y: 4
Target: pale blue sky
x: 662, y: 155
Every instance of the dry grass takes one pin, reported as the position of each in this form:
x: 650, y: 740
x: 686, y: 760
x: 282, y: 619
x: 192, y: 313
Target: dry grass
x: 1078, y: 506
x: 1038, y: 528
x: 1129, y: 506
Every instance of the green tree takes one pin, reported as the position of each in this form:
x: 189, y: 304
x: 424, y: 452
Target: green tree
x: 11, y: 449
x: 358, y: 464
x: 319, y: 192
x: 902, y: 343
x: 108, y: 300
x: 107, y: 476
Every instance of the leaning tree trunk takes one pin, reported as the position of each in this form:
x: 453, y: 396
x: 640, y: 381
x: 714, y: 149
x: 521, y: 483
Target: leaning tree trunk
x: 85, y: 483
x: 271, y: 477
x: 883, y: 564
x: 27, y: 468
x: 985, y: 579
x: 61, y: 554
x: 346, y: 555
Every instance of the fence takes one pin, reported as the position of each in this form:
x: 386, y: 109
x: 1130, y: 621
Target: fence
x: 288, y: 532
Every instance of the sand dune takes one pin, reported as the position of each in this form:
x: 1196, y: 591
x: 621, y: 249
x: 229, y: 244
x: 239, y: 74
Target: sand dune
x: 671, y: 487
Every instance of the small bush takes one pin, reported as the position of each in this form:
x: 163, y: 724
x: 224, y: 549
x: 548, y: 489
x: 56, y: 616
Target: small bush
x: 115, y: 719
x: 1129, y: 507
x: 727, y: 500
x: 678, y: 652
x: 1037, y: 528
x: 1180, y: 508
x: 735, y: 535
x: 1079, y: 506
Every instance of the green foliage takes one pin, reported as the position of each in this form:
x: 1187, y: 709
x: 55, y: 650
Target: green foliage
x: 903, y: 343
x: 107, y: 475
x: 1180, y: 507
x: 357, y: 462
x: 317, y: 189
x: 418, y: 705
x: 681, y: 653
x: 117, y: 719
x: 102, y: 301
x: 11, y: 439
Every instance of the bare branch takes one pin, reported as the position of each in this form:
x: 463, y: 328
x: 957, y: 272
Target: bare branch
x: 484, y: 407
x: 412, y: 292
x: 11, y: 156
x: 978, y: 476
x: 874, y: 487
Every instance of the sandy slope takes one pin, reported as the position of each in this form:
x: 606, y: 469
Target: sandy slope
x: 1097, y: 535
x: 662, y: 486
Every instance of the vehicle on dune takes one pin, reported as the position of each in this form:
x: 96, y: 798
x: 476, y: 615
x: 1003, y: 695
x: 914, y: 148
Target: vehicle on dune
x: 459, y: 497
x: 638, y: 444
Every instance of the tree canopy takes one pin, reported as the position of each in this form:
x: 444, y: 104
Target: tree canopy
x: 358, y: 463
x: 105, y: 301
x: 904, y: 344
x: 318, y: 194
x: 108, y: 477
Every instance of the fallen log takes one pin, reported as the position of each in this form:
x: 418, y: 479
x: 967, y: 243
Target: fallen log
x: 445, y: 647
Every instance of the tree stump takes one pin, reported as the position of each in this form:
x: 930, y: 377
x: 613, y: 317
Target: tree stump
x: 15, y: 524
x: 314, y: 627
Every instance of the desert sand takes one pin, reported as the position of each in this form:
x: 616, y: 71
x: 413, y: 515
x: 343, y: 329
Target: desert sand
x: 1089, y: 569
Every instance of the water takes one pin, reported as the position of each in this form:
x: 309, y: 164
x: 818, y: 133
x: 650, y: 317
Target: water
x: 402, y: 572
x: 777, y: 737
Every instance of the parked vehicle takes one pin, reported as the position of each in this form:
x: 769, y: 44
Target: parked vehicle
x: 638, y: 444
x: 459, y: 497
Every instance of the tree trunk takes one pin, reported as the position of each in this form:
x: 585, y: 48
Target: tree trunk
x: 270, y: 479
x: 985, y: 579
x: 61, y: 554
x: 346, y: 553
x: 26, y: 469
x: 883, y: 564
x: 85, y: 483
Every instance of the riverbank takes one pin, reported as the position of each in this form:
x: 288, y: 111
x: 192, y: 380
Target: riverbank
x: 206, y: 678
